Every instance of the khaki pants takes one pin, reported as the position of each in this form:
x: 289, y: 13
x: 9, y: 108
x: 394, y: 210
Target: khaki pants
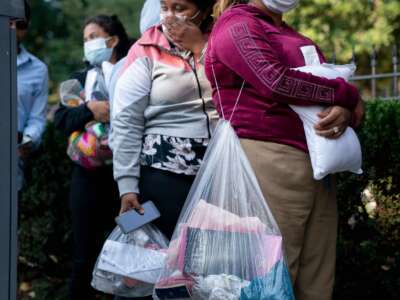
x: 306, y: 212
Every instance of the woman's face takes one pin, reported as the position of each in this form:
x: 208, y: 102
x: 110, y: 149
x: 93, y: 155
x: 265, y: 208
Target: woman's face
x: 182, y: 8
x: 93, y: 31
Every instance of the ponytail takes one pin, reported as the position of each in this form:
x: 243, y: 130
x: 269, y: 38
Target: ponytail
x: 223, y: 5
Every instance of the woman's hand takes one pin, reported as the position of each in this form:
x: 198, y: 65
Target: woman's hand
x: 130, y: 201
x: 100, y: 110
x: 185, y: 35
x: 333, y: 123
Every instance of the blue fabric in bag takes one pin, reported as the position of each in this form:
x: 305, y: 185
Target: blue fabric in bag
x: 276, y: 285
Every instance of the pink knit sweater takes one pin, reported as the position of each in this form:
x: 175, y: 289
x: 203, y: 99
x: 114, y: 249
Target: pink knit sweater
x: 246, y: 45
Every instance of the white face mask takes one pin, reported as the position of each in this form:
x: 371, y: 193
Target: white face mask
x: 280, y: 6
x: 96, y: 51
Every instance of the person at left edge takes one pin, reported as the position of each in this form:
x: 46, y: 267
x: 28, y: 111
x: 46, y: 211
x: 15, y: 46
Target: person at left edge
x: 93, y: 196
x: 32, y: 83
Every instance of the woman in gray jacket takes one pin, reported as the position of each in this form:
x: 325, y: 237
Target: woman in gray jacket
x: 162, y: 112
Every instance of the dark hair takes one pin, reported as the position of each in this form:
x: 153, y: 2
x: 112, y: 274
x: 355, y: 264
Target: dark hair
x: 113, y: 26
x: 205, y: 6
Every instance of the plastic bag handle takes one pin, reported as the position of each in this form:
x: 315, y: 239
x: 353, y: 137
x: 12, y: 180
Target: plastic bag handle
x: 219, y: 95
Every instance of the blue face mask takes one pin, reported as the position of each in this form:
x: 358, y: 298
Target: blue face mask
x: 96, y: 51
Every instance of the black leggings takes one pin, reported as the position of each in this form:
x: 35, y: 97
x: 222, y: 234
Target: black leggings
x: 168, y: 191
x: 94, y: 203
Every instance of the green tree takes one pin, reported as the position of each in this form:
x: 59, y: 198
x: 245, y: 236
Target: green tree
x: 344, y: 24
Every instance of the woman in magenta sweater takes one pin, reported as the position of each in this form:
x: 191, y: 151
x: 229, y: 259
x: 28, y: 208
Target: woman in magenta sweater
x: 250, y: 43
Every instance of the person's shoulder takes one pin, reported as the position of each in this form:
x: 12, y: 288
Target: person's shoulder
x: 120, y: 64
x: 38, y: 68
x: 39, y: 64
x: 244, y: 17
x: 234, y: 13
x: 151, y: 39
x: 151, y: 36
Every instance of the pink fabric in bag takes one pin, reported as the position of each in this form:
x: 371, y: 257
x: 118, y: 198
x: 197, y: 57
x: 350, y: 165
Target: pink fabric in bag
x: 210, y: 217
x: 178, y: 279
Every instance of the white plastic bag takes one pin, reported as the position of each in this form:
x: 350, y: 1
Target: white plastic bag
x: 226, y: 244
x: 329, y: 156
x: 130, y: 264
x: 70, y: 93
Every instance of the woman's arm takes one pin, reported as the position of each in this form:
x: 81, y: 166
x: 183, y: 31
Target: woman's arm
x: 131, y: 97
x: 36, y: 122
x: 242, y: 45
x: 357, y: 113
x: 70, y: 119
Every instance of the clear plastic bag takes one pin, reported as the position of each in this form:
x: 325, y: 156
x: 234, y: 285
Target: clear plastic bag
x: 71, y: 93
x: 89, y: 147
x: 130, y: 264
x: 226, y: 244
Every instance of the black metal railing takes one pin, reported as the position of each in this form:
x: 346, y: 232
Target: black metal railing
x: 391, y: 89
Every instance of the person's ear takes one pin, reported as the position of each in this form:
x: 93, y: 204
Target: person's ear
x: 113, y: 42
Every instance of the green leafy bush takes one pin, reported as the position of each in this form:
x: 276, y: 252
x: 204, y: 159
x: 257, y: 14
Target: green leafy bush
x: 44, y: 226
x: 368, y: 261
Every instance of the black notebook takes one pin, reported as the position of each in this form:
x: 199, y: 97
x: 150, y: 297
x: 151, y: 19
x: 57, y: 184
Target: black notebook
x: 212, y: 252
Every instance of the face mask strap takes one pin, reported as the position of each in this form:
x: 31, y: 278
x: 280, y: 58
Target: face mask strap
x: 100, y: 38
x: 195, y: 15
x: 180, y: 16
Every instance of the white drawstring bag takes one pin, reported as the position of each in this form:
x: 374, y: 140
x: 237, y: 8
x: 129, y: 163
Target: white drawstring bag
x: 329, y: 156
x: 130, y: 264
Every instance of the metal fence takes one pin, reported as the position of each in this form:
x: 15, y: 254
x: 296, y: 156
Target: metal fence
x: 391, y: 89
